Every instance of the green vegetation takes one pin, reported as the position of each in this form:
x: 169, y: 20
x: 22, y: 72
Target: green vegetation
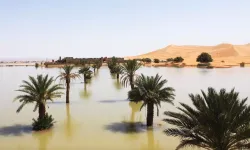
x: 86, y: 72
x: 242, y: 64
x: 118, y: 71
x: 218, y: 121
x: 204, y: 58
x: 97, y: 65
x: 38, y: 90
x: 178, y: 59
x: 94, y: 66
x: 129, y: 72
x: 152, y: 91
x: 112, y: 64
x: 66, y: 75
x: 156, y: 60
x: 170, y: 59
x: 43, y: 123
x: 147, y: 60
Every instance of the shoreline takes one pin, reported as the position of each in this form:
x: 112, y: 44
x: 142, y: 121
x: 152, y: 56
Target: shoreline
x: 177, y: 65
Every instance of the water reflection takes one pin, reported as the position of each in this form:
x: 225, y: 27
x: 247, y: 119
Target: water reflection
x: 131, y: 125
x: 96, y: 73
x: 204, y: 71
x: 126, y: 127
x: 43, y: 137
x: 68, y: 124
x: 85, y: 93
x: 113, y: 75
x: 117, y: 84
x: 135, y: 108
x: 151, y: 143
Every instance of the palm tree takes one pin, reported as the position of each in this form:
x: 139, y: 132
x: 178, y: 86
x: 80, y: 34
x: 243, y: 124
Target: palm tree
x: 218, y: 121
x: 67, y: 75
x: 86, y: 73
x: 118, y: 71
x: 94, y: 66
x: 112, y: 63
x: 152, y: 92
x: 38, y: 90
x: 128, y: 72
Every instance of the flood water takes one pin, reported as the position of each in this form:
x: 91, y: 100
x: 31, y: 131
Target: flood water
x: 99, y: 116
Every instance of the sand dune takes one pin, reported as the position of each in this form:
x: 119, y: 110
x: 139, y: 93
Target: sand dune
x: 230, y: 54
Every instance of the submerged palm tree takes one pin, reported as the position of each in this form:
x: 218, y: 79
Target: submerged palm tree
x: 67, y: 75
x: 38, y: 91
x: 152, y: 92
x: 118, y: 71
x: 112, y: 63
x: 218, y: 121
x: 94, y: 66
x: 86, y: 73
x: 129, y: 72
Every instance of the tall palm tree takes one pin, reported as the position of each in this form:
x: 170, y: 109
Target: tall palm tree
x: 218, y: 121
x: 129, y: 72
x: 66, y: 75
x: 38, y: 90
x: 152, y: 92
x: 86, y: 73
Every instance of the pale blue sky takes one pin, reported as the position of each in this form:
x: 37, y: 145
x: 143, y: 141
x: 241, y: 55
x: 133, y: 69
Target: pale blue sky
x: 95, y: 28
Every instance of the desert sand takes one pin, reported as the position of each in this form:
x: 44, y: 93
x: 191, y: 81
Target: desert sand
x: 223, y: 54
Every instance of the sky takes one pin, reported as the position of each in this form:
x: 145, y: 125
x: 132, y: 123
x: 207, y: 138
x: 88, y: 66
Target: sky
x: 98, y: 28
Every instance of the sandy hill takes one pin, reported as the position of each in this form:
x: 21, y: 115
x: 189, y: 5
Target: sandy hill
x: 230, y: 54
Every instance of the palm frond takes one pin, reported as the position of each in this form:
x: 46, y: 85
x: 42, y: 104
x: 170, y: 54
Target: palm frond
x: 218, y: 120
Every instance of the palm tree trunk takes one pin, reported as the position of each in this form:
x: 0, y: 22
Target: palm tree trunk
x: 85, y: 80
x: 42, y: 110
x: 67, y: 90
x: 132, y: 82
x: 150, y: 114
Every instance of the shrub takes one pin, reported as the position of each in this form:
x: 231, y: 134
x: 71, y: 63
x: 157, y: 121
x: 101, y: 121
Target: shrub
x: 42, y: 124
x: 170, y: 59
x: 147, y: 60
x: 242, y: 64
x: 204, y: 58
x: 156, y: 60
x: 178, y: 59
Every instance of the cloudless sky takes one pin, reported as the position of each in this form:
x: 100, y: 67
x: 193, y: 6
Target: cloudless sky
x: 95, y: 28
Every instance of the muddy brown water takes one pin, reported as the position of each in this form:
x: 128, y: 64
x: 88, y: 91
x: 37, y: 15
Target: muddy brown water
x: 99, y: 116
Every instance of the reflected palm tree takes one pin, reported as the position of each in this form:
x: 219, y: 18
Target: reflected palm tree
x: 68, y: 123
x: 135, y: 107
x: 113, y: 75
x: 43, y: 138
x: 96, y: 74
x: 151, y: 143
x: 117, y: 84
x: 85, y: 94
